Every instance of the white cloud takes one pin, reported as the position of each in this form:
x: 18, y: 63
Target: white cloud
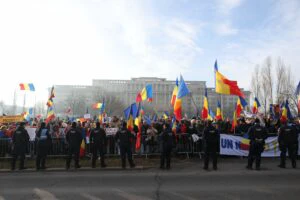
x: 225, y: 6
x: 225, y: 29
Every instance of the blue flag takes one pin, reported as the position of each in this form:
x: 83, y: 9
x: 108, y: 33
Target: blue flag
x: 182, y: 88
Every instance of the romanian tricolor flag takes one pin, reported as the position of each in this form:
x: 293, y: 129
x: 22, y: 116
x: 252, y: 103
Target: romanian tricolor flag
x: 234, y: 121
x: 245, y: 144
x: 297, y: 93
x: 226, y: 86
x: 82, y: 149
x: 50, y: 115
x: 97, y: 106
x: 130, y: 115
x: 256, y: 105
x: 182, y: 91
x: 240, y: 105
x: 174, y: 94
x: 205, y: 108
x: 26, y: 116
x: 27, y: 86
x: 286, y: 113
x: 138, y: 123
x: 166, y: 115
x: 145, y: 94
x: 219, y: 115
x: 211, y: 115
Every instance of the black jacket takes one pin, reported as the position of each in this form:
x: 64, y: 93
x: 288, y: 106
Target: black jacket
x: 98, y: 136
x: 74, y: 137
x: 125, y: 137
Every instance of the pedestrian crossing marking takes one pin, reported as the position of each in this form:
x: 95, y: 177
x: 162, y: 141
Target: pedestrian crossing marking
x: 44, y: 195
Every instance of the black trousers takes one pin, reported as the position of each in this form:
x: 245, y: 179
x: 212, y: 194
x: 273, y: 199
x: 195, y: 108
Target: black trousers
x: 126, y: 150
x: 73, y: 151
x: 41, y: 155
x: 255, y: 154
x: 95, y: 149
x: 210, y: 154
x: 292, y: 151
x: 14, y: 160
x: 165, y: 157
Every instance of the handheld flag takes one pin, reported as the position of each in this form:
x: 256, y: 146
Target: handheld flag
x: 205, y: 108
x: 145, y: 94
x: 240, y: 105
x: 182, y: 91
x: 297, y: 93
x: 256, y: 105
x: 174, y: 94
x: 27, y: 86
x: 226, y: 86
x: 219, y: 115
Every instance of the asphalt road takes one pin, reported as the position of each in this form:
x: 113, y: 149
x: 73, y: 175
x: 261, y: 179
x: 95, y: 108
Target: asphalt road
x: 186, y: 180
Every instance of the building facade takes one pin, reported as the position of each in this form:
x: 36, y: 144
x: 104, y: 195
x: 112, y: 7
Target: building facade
x: 124, y: 92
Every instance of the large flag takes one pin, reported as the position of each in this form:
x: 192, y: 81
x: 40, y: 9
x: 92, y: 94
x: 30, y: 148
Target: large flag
x: 174, y: 94
x: 297, y: 93
x: 226, y: 86
x: 256, y: 105
x: 219, y: 115
x: 205, y: 108
x: 145, y: 94
x: 240, y: 105
x: 182, y: 91
x: 27, y: 86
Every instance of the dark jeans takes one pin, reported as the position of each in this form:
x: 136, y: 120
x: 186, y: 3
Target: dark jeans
x: 41, y: 156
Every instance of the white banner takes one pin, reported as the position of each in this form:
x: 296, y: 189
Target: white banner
x: 111, y: 131
x: 239, y: 146
x: 31, y: 133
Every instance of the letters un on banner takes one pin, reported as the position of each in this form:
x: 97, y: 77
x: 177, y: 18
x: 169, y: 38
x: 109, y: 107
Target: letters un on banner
x: 239, y: 146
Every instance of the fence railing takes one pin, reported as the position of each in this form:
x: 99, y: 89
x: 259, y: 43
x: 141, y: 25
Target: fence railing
x: 149, y: 146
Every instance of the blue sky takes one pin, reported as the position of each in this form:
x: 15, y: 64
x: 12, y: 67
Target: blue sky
x: 73, y: 42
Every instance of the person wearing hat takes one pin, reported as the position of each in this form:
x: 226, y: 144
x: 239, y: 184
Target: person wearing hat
x: 20, y: 141
x: 73, y: 139
x: 288, y: 142
x: 125, y: 137
x: 211, y: 144
x: 98, y: 144
x: 43, y: 142
x: 257, y: 135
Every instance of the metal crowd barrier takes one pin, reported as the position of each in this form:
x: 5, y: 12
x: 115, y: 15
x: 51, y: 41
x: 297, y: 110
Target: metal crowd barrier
x: 149, y: 146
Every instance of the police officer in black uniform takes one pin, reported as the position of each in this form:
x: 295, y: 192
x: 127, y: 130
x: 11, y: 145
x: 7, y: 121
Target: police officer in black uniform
x: 73, y: 139
x: 167, y: 140
x: 98, y: 144
x: 211, y: 144
x: 125, y: 137
x: 288, y: 141
x: 257, y: 135
x: 20, y: 142
x: 43, y: 142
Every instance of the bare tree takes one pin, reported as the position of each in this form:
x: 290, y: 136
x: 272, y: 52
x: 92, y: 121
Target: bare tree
x: 255, y: 82
x: 2, y: 106
x: 77, y: 102
x: 281, y: 77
